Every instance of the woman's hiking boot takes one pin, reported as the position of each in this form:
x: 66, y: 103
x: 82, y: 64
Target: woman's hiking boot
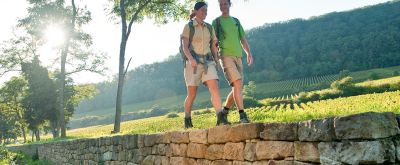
x: 188, y: 122
x: 222, y: 118
x: 243, y: 118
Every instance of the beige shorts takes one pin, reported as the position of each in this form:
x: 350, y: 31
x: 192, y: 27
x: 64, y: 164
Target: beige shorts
x: 233, y: 68
x: 194, y: 79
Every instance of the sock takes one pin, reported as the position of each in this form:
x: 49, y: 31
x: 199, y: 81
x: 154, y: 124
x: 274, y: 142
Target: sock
x: 218, y: 111
x: 241, y: 111
x: 188, y: 115
x: 226, y: 108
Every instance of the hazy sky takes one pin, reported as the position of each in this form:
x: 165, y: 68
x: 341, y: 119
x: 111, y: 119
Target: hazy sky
x: 149, y: 43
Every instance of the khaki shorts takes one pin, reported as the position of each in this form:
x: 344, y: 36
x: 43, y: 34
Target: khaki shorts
x: 233, y: 68
x: 192, y: 79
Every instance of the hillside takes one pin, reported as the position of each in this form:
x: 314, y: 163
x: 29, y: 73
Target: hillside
x: 355, y: 40
x: 280, y: 91
x: 382, y: 102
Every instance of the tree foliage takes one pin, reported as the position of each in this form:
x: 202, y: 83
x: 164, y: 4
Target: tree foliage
x: 40, y: 102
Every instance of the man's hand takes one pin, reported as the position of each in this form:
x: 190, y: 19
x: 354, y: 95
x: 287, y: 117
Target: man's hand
x: 249, y: 59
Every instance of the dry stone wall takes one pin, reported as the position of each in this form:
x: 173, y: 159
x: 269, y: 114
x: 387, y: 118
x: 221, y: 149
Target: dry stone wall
x: 368, y: 138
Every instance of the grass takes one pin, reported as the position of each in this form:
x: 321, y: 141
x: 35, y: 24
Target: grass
x: 267, y: 89
x: 382, y: 102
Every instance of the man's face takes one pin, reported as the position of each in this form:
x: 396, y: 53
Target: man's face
x: 224, y: 5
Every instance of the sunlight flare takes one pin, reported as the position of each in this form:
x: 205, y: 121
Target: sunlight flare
x: 55, y: 35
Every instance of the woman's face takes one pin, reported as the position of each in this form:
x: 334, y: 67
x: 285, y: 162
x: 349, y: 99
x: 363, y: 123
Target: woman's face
x: 202, y: 13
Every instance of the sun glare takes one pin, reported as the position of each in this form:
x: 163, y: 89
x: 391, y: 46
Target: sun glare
x: 55, y: 35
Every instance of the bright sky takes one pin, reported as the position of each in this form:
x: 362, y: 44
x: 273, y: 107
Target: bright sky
x: 149, y: 43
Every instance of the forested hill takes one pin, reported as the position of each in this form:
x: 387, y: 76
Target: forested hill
x: 359, y: 39
x: 355, y: 40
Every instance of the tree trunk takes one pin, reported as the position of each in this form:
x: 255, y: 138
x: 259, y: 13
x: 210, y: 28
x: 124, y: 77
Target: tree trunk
x: 23, y: 133
x: 121, y: 74
x: 121, y: 78
x: 37, y: 134
x: 62, y: 74
x: 19, y: 118
x: 61, y: 99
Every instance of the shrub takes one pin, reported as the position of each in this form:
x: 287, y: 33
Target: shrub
x: 373, y: 76
x: 250, y: 102
x: 395, y: 73
x: 172, y: 115
x: 329, y: 94
x: 202, y: 112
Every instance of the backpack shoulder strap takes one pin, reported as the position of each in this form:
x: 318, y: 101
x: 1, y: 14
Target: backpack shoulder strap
x: 191, y: 32
x: 238, y: 26
x: 218, y: 28
x: 210, y: 29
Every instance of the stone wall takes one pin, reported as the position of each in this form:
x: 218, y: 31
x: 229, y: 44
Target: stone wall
x: 368, y: 138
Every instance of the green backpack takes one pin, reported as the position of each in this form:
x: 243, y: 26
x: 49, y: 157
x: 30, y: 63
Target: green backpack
x: 191, y: 33
x: 220, y: 32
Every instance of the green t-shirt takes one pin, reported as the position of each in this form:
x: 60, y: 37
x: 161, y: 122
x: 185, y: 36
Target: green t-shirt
x: 230, y: 43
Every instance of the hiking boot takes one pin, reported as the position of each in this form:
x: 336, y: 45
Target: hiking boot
x: 243, y: 118
x: 225, y: 112
x: 188, y: 122
x: 222, y: 118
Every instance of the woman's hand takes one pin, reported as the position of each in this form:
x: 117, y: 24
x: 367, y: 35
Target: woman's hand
x: 193, y: 62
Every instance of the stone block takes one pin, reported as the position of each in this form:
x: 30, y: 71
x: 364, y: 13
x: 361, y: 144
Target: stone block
x: 306, y: 151
x: 178, y: 149
x: 280, y: 131
x: 219, y: 134
x: 243, y: 132
x: 360, y: 126
x: 250, y: 151
x: 198, y: 136
x: 317, y: 130
x: 179, y: 137
x: 371, y: 152
x: 196, y: 150
x: 181, y: 161
x: 215, y: 151
x: 221, y: 162
x: 241, y: 163
x: 150, y: 140
x: 203, y: 162
x: 274, y: 150
x: 234, y: 151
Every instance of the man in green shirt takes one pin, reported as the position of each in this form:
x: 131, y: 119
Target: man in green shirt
x: 231, y: 40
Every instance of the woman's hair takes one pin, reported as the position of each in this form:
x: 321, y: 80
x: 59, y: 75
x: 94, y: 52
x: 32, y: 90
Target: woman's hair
x: 197, y: 6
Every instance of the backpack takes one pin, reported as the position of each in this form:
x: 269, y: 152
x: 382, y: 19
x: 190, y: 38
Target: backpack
x: 191, y: 34
x: 220, y: 32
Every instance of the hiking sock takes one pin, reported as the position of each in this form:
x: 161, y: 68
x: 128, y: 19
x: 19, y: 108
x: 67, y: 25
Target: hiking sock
x: 188, y: 115
x: 241, y: 111
x: 226, y: 108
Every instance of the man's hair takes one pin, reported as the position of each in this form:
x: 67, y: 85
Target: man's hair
x: 229, y: 1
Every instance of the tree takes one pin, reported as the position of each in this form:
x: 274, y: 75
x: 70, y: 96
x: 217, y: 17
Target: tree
x: 17, y: 50
x: 250, y: 89
x: 41, y: 99
x: 131, y: 11
x: 12, y: 94
x: 75, y: 51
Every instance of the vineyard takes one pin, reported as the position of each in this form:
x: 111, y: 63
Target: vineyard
x: 278, y: 91
x: 295, y: 101
x: 382, y: 102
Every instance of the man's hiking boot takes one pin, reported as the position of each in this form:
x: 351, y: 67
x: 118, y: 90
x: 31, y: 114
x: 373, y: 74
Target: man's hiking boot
x: 222, y: 118
x: 243, y: 118
x: 188, y: 122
